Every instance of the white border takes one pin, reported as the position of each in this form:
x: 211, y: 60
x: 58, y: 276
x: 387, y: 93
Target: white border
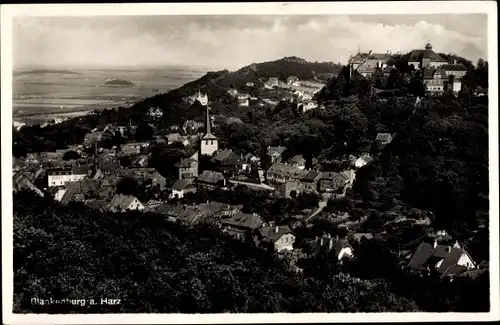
x: 353, y: 8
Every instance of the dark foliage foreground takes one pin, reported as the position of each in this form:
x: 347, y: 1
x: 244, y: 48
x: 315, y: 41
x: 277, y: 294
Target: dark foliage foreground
x: 153, y: 266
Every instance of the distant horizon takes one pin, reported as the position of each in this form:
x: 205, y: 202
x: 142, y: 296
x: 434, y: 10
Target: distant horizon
x: 230, y: 42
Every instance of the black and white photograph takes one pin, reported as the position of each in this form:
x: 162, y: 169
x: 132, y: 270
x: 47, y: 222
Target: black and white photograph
x: 221, y: 159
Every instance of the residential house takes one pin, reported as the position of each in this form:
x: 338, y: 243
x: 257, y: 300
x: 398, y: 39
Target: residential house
x: 309, y: 105
x: 155, y: 112
x: 133, y: 148
x: 176, y: 137
x: 359, y: 236
x: 243, y: 100
x: 97, y: 205
x: 191, y: 126
x: 363, y: 160
x: 434, y: 81
x: 349, y: 175
x: 274, y: 154
x: 92, y: 138
x: 366, y: 64
x: 107, y: 188
x: 269, y: 102
x: 446, y: 260
x: 188, y: 167
x: 122, y: 203
x: 271, y: 83
x: 233, y: 92
x: 60, y: 176
x: 310, y: 181
x: 181, y: 187
x: 278, y: 238
x: 251, y: 159
x: 339, y: 247
x: 456, y: 70
x: 227, y: 161
x: 298, y: 161
x: 290, y: 80
x: 454, y: 85
x: 284, y: 190
x: 383, y: 139
x: 332, y: 182
x: 425, y: 58
x: 210, y: 180
x: 32, y: 158
x: 241, y: 224
x: 280, y: 173
x: 21, y: 182
x: 250, y: 84
x: 140, y: 161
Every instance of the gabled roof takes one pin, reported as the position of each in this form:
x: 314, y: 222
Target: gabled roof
x: 454, y: 67
x: 337, y: 244
x: 311, y: 176
x: 426, y: 254
x: 384, y: 137
x: 271, y: 151
x: 366, y: 158
x: 211, y: 177
x: 184, y: 163
x: 209, y: 136
x: 417, y: 55
x: 121, y: 202
x: 297, y: 159
x: 244, y: 220
x: 222, y: 155
x: 99, y: 205
x: 182, y: 184
x: 272, y: 234
x: 80, y: 170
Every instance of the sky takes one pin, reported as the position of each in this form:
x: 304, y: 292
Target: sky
x: 233, y: 41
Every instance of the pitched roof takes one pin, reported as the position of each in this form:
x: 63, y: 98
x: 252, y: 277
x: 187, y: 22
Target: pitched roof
x: 454, y: 67
x: 222, y: 155
x: 275, y: 150
x: 184, y: 163
x: 337, y: 244
x: 311, y: 176
x: 385, y: 137
x: 121, y: 202
x: 286, y: 170
x: 298, y: 159
x: 244, y: 220
x: 426, y: 254
x: 417, y: 55
x: 99, y: 205
x: 209, y: 136
x: 182, y: 184
x: 272, y: 234
x: 209, y: 176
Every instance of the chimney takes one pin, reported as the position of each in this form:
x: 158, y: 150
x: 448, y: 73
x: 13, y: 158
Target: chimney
x: 435, y: 243
x: 276, y: 229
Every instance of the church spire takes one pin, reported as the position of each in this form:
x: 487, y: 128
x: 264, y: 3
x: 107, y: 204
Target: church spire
x: 208, y: 127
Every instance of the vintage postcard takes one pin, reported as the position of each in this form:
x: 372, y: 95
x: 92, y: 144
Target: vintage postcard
x: 249, y: 162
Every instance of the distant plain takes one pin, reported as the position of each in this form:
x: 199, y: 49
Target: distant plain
x: 42, y: 94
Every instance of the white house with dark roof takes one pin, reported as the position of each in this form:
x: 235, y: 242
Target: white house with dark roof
x: 280, y: 238
x: 122, y: 203
x: 446, y: 260
x: 275, y: 153
x: 182, y: 187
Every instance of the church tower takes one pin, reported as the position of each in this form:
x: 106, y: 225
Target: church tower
x: 209, y: 143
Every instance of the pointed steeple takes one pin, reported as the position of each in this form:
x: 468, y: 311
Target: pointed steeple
x: 208, y: 127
